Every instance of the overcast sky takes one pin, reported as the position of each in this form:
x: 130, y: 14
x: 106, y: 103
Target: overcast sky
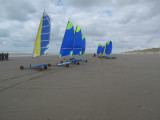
x: 129, y: 24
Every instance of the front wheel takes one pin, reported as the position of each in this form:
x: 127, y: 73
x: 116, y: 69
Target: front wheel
x: 49, y: 65
x: 40, y: 69
x: 45, y: 67
x: 21, y: 67
x: 67, y: 65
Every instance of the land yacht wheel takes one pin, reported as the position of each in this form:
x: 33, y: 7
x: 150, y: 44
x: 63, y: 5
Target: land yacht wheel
x: 40, y: 69
x: 45, y: 67
x: 67, y: 65
x: 21, y: 67
x: 49, y: 65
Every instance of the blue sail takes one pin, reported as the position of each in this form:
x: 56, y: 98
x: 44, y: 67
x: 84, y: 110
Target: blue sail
x: 102, y: 50
x: 83, y: 44
x: 77, y: 47
x: 108, y: 49
x: 99, y: 49
x: 43, y: 36
x: 67, y: 43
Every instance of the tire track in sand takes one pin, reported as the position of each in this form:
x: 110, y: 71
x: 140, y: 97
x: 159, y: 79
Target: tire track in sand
x: 38, y: 75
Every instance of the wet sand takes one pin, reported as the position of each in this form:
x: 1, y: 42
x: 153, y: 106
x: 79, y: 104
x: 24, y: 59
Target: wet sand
x: 127, y: 88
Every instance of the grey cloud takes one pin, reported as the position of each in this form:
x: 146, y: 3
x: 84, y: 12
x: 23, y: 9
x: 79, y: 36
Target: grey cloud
x: 4, y: 32
x: 86, y: 3
x: 16, y: 10
x: 99, y: 3
x: 92, y: 30
x: 130, y: 24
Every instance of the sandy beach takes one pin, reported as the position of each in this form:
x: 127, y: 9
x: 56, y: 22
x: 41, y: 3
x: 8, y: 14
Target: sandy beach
x: 126, y: 88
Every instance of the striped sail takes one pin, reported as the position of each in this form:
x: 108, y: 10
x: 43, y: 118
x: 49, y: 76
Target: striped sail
x: 43, y: 36
x: 77, y: 47
x: 67, y: 43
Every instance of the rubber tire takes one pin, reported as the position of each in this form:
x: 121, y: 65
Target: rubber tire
x: 78, y: 63
x: 40, y: 69
x: 67, y: 65
x: 49, y: 65
x: 21, y: 67
x: 86, y: 60
x: 45, y: 67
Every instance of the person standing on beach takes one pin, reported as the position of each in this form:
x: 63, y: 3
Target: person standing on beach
x: 2, y: 56
x: 7, y: 54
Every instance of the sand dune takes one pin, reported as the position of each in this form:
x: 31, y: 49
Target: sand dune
x: 146, y: 51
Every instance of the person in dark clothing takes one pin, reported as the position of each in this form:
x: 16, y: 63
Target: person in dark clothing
x: 7, y: 54
x: 2, y: 56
